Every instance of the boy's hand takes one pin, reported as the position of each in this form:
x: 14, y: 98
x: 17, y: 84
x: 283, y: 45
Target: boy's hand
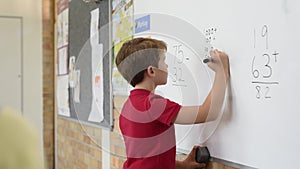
x: 219, y: 63
x: 190, y: 161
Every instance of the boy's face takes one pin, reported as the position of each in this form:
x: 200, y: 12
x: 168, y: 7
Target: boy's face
x: 162, y: 73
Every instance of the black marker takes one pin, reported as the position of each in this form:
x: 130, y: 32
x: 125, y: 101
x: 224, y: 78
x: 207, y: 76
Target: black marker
x: 206, y: 60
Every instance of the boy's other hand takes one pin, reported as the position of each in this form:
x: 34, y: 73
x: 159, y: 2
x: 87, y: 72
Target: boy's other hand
x: 190, y: 162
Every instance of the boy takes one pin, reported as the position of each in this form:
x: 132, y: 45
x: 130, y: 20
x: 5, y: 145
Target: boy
x: 147, y: 119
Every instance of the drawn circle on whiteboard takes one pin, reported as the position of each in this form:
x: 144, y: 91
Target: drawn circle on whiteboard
x: 194, y: 43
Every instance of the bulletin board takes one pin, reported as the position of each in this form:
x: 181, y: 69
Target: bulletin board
x: 90, y: 91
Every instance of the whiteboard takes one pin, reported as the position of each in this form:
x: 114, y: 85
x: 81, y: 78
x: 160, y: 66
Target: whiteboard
x: 259, y: 127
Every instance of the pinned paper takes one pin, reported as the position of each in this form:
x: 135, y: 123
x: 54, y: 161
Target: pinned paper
x: 62, y: 96
x: 71, y: 71
x: 77, y: 86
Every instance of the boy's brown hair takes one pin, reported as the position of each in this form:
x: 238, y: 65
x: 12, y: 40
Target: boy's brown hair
x: 136, y: 55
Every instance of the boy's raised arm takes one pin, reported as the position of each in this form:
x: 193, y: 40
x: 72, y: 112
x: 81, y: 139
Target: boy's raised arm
x: 213, y: 103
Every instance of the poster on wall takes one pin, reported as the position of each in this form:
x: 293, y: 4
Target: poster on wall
x: 62, y: 61
x: 62, y: 23
x: 62, y: 96
x: 62, y: 37
x: 62, y: 90
x: 123, y: 29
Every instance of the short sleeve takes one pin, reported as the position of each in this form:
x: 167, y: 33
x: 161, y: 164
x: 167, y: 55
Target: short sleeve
x: 170, y: 109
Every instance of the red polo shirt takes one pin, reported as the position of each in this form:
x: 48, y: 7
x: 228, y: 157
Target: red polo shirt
x: 148, y: 131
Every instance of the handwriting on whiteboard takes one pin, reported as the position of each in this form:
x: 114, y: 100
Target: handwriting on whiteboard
x: 177, y: 69
x: 210, y: 36
x: 182, y: 57
x: 263, y: 64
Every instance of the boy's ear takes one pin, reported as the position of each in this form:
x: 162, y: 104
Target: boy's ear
x: 150, y: 71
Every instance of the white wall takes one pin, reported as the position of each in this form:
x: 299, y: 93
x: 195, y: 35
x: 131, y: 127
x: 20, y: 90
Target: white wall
x: 31, y: 14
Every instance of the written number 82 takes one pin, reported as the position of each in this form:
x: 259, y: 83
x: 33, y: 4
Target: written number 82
x: 260, y: 92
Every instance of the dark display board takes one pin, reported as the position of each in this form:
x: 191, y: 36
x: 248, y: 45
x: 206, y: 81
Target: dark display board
x: 80, y: 47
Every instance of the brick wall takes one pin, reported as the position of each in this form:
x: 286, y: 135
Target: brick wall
x: 48, y: 81
x: 117, y: 146
x: 78, y: 145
